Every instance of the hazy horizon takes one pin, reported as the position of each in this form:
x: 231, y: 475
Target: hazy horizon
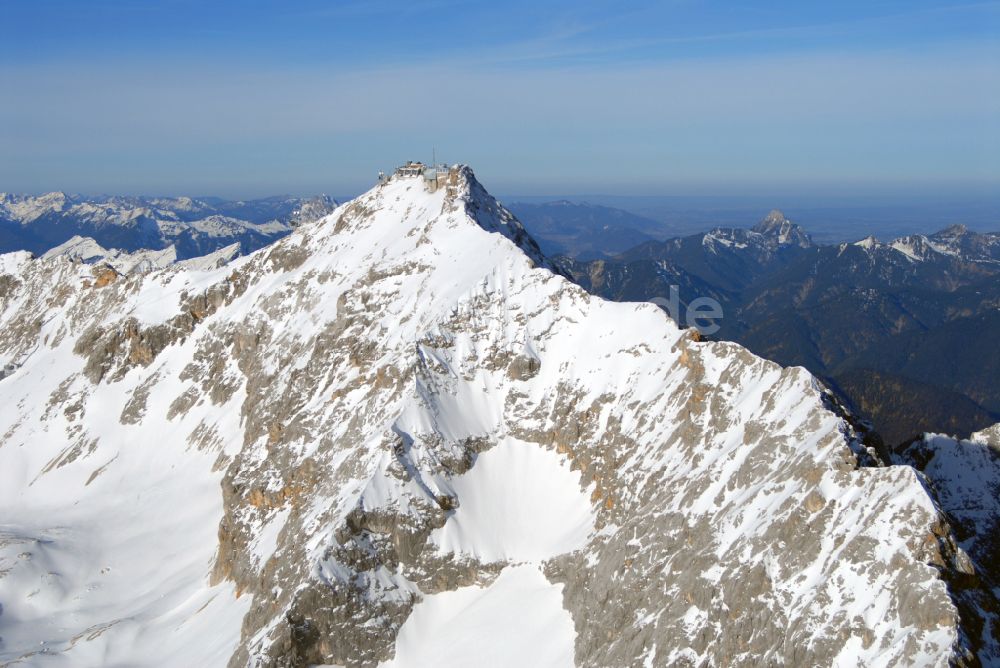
x: 828, y: 218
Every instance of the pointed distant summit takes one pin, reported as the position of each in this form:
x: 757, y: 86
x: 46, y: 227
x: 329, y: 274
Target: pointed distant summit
x: 784, y: 231
x: 952, y: 231
x: 774, y: 219
x: 869, y: 242
x: 958, y: 240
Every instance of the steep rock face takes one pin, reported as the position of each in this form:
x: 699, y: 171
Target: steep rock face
x: 313, y: 454
x: 965, y: 475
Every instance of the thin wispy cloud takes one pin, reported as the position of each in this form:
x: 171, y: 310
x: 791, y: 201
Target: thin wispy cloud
x: 564, y: 45
x: 671, y: 93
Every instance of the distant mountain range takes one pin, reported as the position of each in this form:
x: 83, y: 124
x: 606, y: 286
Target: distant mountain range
x: 905, y: 331
x: 87, y: 251
x: 193, y: 227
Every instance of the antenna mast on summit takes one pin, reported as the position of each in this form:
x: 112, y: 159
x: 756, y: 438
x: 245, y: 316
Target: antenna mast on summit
x: 434, y: 157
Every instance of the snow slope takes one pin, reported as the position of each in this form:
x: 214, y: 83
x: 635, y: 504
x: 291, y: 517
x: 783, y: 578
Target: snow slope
x: 398, y: 434
x: 519, y: 503
x: 518, y: 620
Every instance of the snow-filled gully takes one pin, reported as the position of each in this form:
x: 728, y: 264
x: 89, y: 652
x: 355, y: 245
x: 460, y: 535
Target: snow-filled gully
x: 522, y: 504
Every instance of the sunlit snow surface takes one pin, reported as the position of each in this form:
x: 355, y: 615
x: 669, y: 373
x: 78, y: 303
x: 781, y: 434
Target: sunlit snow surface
x: 519, y: 503
x: 518, y: 621
x: 104, y: 560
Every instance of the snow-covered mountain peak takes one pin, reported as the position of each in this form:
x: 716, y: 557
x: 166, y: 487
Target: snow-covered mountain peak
x: 395, y: 428
x: 57, y: 199
x: 27, y: 208
x: 772, y: 236
x: 441, y: 211
x: 868, y: 242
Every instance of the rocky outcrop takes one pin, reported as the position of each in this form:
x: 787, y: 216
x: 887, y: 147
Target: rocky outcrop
x: 964, y: 478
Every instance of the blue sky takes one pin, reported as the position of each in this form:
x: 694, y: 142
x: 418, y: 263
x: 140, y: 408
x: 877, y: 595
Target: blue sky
x: 683, y: 97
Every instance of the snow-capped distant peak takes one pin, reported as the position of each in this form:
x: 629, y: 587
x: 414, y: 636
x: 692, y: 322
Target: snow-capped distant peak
x: 955, y: 242
x: 87, y: 251
x: 79, y: 248
x: 953, y: 231
x: 775, y: 219
x: 775, y: 226
x: 868, y: 242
